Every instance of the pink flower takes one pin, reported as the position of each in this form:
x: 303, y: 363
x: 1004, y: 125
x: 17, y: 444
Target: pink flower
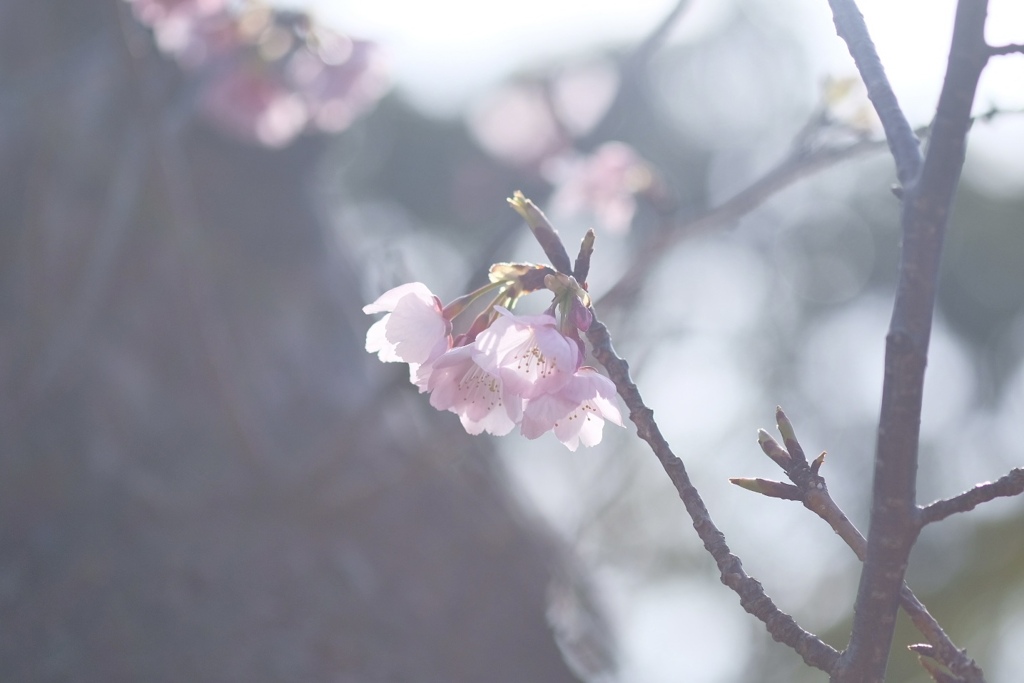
x: 339, y: 80
x: 603, y: 185
x: 576, y: 413
x: 192, y: 31
x: 414, y: 331
x: 528, y: 353
x: 244, y: 102
x: 480, y: 399
x: 151, y: 12
x: 519, y: 370
x: 266, y: 76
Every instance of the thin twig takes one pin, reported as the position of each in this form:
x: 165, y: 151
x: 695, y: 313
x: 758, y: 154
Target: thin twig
x: 782, y: 175
x: 649, y: 45
x: 1010, y: 49
x: 1011, y: 484
x: 903, y: 143
x: 632, y: 78
x: 798, y: 165
x: 753, y: 599
x: 814, y: 495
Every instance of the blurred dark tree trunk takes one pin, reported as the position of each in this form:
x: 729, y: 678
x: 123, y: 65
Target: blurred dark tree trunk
x: 198, y: 479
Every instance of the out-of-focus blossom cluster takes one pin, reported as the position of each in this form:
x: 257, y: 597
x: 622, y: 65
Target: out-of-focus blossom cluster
x: 534, y: 124
x: 603, y: 185
x: 265, y: 75
x: 844, y: 117
x: 528, y: 122
x: 506, y: 370
x: 847, y: 104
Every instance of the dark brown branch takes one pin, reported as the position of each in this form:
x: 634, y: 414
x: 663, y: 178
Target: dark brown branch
x: 1010, y: 49
x: 815, y: 497
x: 942, y: 648
x: 894, y: 514
x: 753, y: 599
x: 903, y: 143
x: 1011, y: 484
x: 938, y: 674
x: 787, y: 172
x: 784, y: 174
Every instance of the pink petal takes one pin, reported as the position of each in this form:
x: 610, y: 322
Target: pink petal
x: 458, y: 384
x: 414, y: 330
x: 541, y: 414
x: 377, y: 342
x: 529, y: 354
x: 417, y: 329
x: 577, y: 413
x: 388, y: 300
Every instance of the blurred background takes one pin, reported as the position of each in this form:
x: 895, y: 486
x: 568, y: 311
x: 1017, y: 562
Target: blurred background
x: 204, y: 476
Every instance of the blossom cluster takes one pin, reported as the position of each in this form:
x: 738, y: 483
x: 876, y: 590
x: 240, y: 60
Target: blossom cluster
x: 266, y: 75
x: 604, y: 184
x: 506, y: 370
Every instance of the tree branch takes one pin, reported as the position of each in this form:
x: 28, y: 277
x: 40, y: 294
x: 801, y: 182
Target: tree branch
x: 782, y: 627
x: 894, y: 515
x: 903, y: 142
x: 1010, y: 49
x: 814, y: 495
x: 649, y: 45
x: 796, y: 166
x: 1011, y: 484
x: 632, y: 78
x: 782, y: 175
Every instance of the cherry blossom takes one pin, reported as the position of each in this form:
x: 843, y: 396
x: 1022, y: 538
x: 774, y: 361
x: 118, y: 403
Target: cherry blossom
x: 480, y: 399
x: 152, y: 12
x: 505, y: 370
x: 603, y: 184
x: 244, y: 103
x: 529, y: 353
x: 576, y: 413
x: 414, y: 331
x: 265, y: 75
